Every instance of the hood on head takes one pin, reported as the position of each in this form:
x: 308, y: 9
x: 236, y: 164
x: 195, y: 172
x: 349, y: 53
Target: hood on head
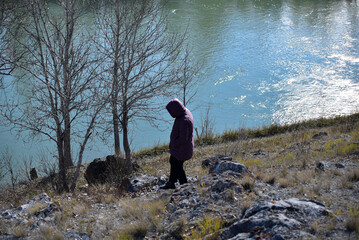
x: 175, y: 108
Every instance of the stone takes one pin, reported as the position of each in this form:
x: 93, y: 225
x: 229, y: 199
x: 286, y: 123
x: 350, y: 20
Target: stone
x: 211, y: 161
x: 77, y: 236
x: 283, y: 219
x: 98, y: 170
x: 223, y: 166
x: 320, y: 167
x: 320, y: 135
x: 339, y: 165
x: 136, y: 183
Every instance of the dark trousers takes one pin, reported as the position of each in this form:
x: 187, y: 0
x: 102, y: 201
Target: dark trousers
x: 177, y: 171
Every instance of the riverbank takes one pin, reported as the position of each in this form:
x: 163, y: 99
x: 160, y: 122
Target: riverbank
x: 316, y: 160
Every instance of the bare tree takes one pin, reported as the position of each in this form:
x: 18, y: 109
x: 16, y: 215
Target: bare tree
x: 2, y: 167
x: 188, y: 81
x: 62, y: 99
x: 5, y: 69
x: 9, y: 167
x: 142, y: 62
x: 7, y: 54
x: 25, y: 167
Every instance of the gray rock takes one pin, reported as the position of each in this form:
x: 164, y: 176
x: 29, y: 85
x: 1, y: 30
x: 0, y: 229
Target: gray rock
x: 283, y: 219
x: 211, y: 161
x: 77, y: 236
x: 223, y: 166
x: 339, y: 165
x: 217, y: 183
x: 320, y: 135
x: 138, y: 182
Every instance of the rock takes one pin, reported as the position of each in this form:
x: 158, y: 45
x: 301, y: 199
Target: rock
x: 211, y: 161
x: 323, y: 165
x: 98, y: 170
x: 320, y: 135
x: 320, y: 166
x: 33, y: 174
x: 223, y: 166
x: 218, y: 184
x: 339, y: 165
x: 138, y: 182
x: 22, y: 212
x: 77, y: 236
x: 259, y: 154
x: 284, y: 219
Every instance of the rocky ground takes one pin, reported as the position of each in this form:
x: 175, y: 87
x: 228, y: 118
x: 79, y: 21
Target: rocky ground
x: 301, y: 185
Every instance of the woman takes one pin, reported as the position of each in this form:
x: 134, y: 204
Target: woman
x: 181, y: 142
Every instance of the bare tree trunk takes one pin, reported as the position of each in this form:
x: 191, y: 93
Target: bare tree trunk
x: 126, y: 144
x: 67, y: 145
x: 69, y: 13
x: 63, y: 186
x: 116, y: 133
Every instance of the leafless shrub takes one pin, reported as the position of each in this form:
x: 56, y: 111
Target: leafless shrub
x: 9, y: 167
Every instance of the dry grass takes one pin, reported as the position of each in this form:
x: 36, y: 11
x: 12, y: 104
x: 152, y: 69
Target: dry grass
x: 353, y: 176
x: 269, y: 178
x: 19, y: 231
x: 148, y: 213
x: 47, y: 232
x: 36, y: 208
x: 285, y: 182
x: 248, y: 183
x: 286, y: 161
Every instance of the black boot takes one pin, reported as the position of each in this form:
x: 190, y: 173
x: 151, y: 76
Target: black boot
x: 168, y: 185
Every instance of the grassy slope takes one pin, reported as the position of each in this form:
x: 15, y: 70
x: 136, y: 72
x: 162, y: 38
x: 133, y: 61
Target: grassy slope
x: 284, y: 156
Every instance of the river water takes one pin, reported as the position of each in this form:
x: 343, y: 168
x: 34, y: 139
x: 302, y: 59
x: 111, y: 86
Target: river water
x: 274, y: 61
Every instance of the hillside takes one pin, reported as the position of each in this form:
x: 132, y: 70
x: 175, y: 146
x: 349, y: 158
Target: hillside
x: 294, y: 182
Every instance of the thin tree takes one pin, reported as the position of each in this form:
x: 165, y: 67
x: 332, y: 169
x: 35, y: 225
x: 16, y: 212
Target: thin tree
x: 7, y: 54
x: 62, y: 84
x: 187, y: 77
x: 143, y: 62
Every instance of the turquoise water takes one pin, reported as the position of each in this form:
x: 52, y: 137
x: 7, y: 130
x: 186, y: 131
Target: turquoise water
x: 262, y: 62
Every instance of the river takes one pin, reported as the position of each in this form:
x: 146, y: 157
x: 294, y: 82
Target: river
x: 263, y: 62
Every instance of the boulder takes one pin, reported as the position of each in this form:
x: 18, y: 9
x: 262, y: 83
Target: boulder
x: 224, y: 166
x: 138, y: 182
x: 98, y: 170
x: 283, y: 219
x: 324, y: 165
x: 218, y: 184
x: 320, y: 135
x: 211, y: 161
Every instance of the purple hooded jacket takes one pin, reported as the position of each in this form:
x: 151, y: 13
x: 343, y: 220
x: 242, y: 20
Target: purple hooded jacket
x: 181, y: 144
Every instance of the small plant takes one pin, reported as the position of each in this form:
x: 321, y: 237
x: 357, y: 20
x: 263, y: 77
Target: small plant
x: 353, y: 176
x: 269, y: 178
x: 19, y: 231
x: 346, y: 149
x: 352, y: 222
x: 46, y: 232
x: 60, y: 219
x: 36, y: 208
x: 316, y: 227
x: 137, y: 230
x: 206, y: 226
x: 110, y: 199
x: 284, y: 182
x: 246, y: 204
x: 248, y: 183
